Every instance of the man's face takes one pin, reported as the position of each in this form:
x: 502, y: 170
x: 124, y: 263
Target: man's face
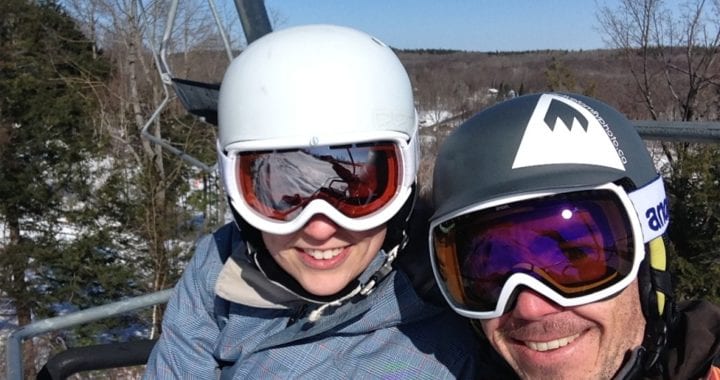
x: 542, y: 340
x: 323, y: 257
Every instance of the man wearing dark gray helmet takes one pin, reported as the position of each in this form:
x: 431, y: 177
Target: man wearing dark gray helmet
x: 554, y: 245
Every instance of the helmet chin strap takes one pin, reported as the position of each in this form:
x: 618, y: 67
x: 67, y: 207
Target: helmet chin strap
x: 363, y: 290
x: 267, y: 265
x: 657, y: 306
x: 633, y: 365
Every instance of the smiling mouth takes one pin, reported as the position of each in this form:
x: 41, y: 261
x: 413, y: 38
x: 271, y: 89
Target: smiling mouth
x: 323, y: 254
x: 552, y: 344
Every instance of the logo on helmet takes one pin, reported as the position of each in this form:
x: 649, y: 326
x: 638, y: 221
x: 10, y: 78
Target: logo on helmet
x: 580, y: 139
x: 658, y: 216
x: 567, y: 115
x: 651, y: 208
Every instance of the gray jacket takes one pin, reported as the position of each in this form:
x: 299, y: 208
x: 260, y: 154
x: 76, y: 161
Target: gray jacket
x: 225, y: 318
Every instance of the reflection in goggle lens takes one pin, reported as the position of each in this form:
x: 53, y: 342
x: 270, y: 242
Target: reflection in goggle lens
x: 355, y: 179
x: 576, y: 243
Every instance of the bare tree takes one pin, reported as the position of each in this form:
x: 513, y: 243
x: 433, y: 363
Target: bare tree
x: 672, y: 54
x: 673, y: 60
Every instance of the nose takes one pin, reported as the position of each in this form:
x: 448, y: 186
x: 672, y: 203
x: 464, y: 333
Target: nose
x: 531, y: 306
x: 320, y: 228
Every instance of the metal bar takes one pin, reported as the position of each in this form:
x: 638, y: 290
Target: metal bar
x: 164, y: 68
x: 14, y: 341
x: 166, y: 78
x: 97, y: 357
x: 685, y: 131
x: 254, y: 19
x: 166, y: 145
x: 223, y: 35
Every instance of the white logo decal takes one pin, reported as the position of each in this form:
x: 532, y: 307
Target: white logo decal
x: 651, y: 205
x: 561, y: 131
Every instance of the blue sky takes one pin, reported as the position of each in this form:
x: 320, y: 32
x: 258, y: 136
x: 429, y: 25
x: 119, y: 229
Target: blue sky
x: 477, y: 25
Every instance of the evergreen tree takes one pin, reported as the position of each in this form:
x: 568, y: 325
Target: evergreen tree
x: 695, y: 225
x: 54, y: 253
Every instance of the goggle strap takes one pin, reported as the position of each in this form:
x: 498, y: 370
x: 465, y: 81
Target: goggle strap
x: 651, y: 206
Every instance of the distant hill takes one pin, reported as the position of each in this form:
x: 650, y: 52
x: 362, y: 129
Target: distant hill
x: 455, y: 74
x: 450, y: 86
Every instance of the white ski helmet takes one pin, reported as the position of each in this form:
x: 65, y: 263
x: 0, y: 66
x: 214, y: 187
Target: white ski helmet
x: 312, y: 86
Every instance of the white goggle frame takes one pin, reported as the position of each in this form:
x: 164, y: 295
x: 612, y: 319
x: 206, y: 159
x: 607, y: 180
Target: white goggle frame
x: 645, y: 224
x: 406, y: 171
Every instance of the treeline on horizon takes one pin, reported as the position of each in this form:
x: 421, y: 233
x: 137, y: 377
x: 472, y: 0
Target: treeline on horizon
x: 440, y: 51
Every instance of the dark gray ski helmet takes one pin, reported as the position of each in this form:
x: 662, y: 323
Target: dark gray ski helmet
x: 537, y: 142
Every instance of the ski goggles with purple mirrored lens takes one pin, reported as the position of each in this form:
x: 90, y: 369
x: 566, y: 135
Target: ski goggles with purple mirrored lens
x: 574, y: 247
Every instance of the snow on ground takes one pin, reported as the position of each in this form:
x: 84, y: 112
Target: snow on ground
x: 431, y: 117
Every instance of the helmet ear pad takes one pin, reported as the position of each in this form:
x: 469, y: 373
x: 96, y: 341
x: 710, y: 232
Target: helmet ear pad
x: 654, y: 281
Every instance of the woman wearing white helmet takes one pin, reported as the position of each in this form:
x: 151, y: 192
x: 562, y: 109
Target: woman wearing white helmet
x: 318, y: 155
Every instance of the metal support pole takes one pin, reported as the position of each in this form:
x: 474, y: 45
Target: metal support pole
x: 14, y: 341
x: 254, y: 19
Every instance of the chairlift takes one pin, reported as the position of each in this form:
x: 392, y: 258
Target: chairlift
x: 200, y: 99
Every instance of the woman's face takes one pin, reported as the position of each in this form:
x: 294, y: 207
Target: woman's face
x: 324, y: 257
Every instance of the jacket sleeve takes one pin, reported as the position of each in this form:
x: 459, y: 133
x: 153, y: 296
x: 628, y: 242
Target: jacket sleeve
x: 189, y: 329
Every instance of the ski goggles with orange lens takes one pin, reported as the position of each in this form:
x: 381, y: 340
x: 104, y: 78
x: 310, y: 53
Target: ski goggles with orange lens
x: 358, y: 186
x: 574, y: 248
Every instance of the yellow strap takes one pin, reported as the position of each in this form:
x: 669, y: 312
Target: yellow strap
x: 658, y: 262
